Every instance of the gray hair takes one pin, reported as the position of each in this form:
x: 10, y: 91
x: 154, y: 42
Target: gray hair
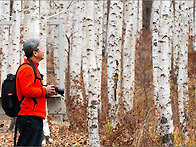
x: 31, y: 45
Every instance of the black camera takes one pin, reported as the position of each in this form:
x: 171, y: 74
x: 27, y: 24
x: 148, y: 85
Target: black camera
x: 58, y: 90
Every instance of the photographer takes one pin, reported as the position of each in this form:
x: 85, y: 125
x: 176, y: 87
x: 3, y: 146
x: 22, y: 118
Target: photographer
x: 29, y: 86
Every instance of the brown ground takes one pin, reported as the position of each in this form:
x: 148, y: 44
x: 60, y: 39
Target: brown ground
x: 59, y: 132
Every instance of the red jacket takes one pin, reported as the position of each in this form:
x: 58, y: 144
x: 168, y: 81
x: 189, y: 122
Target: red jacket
x: 25, y: 86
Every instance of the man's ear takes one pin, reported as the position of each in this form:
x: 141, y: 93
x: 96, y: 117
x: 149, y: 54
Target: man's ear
x: 35, y: 53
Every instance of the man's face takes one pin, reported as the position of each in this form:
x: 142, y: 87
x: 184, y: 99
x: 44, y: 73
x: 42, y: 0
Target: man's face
x: 40, y: 53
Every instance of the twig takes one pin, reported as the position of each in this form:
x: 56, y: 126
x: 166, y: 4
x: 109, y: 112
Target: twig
x: 68, y: 40
x: 144, y: 126
x: 6, y: 15
x: 61, y: 11
x: 56, y: 14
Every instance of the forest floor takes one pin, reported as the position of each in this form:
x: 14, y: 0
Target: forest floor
x: 64, y: 134
x: 60, y: 134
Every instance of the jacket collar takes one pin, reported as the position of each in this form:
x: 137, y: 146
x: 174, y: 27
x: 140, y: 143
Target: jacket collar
x: 36, y: 64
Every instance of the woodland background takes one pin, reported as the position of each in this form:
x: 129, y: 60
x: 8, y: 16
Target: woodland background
x: 129, y: 68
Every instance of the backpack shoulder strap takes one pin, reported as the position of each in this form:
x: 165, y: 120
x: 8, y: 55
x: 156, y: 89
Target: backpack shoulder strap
x: 34, y: 69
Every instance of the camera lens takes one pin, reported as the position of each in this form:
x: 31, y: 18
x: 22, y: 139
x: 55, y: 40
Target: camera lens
x: 59, y: 90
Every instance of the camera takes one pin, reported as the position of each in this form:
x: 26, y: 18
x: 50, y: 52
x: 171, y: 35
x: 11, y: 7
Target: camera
x: 58, y: 90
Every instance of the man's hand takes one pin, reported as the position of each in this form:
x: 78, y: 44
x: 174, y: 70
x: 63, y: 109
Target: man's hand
x: 50, y: 90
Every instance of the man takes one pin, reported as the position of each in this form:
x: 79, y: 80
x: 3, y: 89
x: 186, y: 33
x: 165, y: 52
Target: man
x: 29, y: 86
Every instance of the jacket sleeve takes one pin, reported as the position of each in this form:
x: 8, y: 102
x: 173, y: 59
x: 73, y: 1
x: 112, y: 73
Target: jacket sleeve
x: 28, y: 87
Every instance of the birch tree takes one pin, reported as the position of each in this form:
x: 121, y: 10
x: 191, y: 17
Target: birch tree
x: 58, y: 12
x: 183, y: 71
x: 84, y: 66
x: 92, y: 77
x: 76, y: 24
x: 14, y: 53
x: 99, y: 43
x: 191, y: 13
x: 4, y: 38
x: 129, y: 55
x: 165, y: 122
x: 114, y: 56
x: 139, y: 15
x: 43, y: 35
x: 22, y: 54
x: 69, y: 42
x: 176, y: 38
x: 13, y: 57
x: 161, y: 61
x: 31, y: 19
x: 155, y: 37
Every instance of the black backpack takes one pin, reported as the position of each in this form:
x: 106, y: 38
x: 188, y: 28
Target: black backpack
x: 10, y: 102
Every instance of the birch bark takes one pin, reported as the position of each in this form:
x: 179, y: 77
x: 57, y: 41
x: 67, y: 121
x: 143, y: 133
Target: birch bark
x: 165, y: 122
x: 183, y: 71
x: 155, y: 48
x: 139, y: 15
x: 177, y: 38
x: 43, y: 35
x: 5, y: 39
x: 129, y: 56
x: 76, y: 21
x: 99, y: 44
x: 14, y: 53
x: 31, y: 19
x: 92, y: 77
x: 114, y: 56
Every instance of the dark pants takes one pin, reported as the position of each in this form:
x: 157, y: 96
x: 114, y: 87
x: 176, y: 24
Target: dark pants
x: 30, y: 128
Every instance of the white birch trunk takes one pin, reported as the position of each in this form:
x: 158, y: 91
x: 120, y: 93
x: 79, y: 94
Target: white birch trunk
x: 114, y: 56
x: 5, y: 39
x: 14, y: 49
x: 43, y: 36
x: 83, y: 51
x: 129, y: 56
x: 99, y: 44
x: 22, y: 54
x: 93, y: 127
x: 31, y: 19
x: 190, y: 10
x: 155, y: 48
x: 76, y: 23
x: 139, y: 15
x: 46, y: 132
x: 183, y: 71
x: 165, y: 122
x: 84, y: 54
x: 105, y: 26
x: 55, y: 43
x: 170, y: 32
x: 177, y: 37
